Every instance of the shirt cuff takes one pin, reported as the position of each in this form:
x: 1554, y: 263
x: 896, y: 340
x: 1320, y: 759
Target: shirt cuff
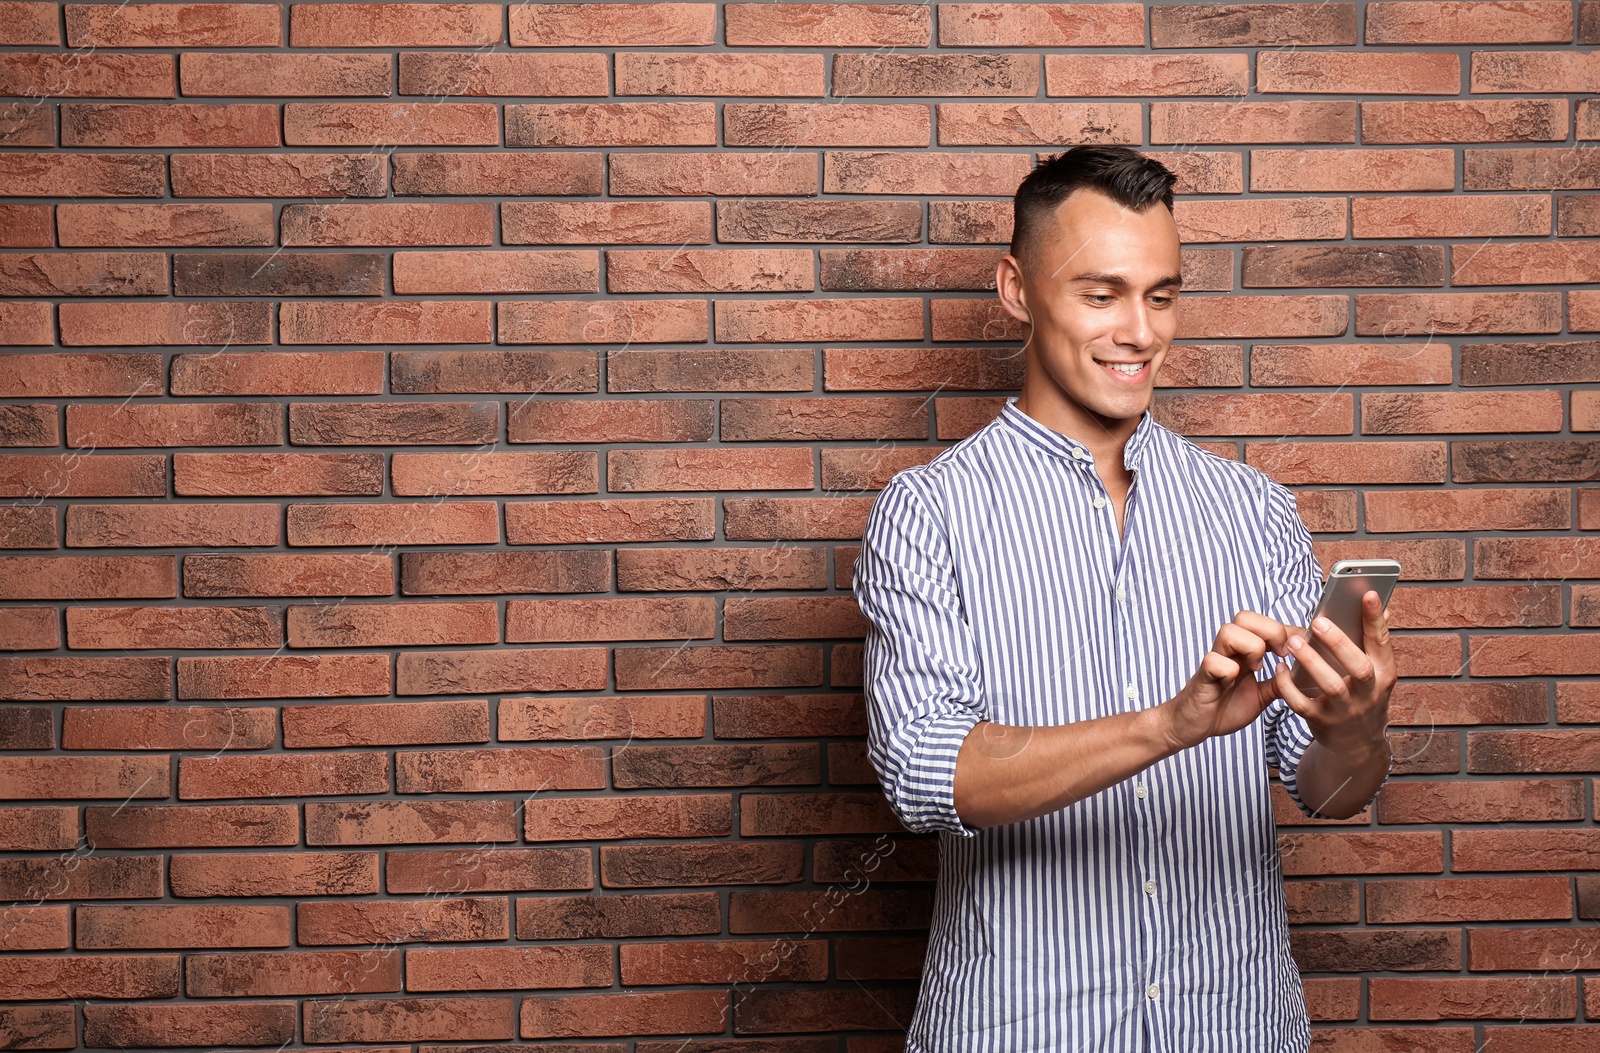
x: 923, y: 797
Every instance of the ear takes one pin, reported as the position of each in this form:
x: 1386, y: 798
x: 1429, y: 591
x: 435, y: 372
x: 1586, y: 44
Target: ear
x: 1008, y: 286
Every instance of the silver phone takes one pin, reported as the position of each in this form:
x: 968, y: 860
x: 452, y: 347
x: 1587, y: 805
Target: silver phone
x: 1348, y: 580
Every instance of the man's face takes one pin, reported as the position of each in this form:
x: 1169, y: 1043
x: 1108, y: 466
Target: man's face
x: 1084, y: 318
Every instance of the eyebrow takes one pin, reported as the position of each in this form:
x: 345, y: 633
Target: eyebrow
x: 1106, y: 278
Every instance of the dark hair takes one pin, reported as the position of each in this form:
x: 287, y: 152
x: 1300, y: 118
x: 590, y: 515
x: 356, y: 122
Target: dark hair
x: 1121, y: 173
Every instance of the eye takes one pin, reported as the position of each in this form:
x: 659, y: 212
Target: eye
x: 1101, y: 296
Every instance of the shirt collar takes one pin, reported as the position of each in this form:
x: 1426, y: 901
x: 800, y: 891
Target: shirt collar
x: 1054, y: 442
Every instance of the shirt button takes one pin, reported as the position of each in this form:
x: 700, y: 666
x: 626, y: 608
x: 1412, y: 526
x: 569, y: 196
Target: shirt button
x: 1139, y: 791
x: 1099, y: 502
x: 1131, y: 692
x: 1122, y: 594
x: 1153, y: 991
x: 1150, y: 887
x: 1078, y: 454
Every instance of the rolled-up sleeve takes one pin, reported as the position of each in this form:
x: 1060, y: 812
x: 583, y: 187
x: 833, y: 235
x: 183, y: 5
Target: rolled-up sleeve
x: 919, y: 668
x: 1294, y: 583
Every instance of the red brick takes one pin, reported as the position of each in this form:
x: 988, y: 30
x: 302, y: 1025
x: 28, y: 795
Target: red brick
x: 38, y: 828
x: 275, y: 874
x: 611, y: 124
x: 1349, y: 462
x: 167, y: 727
x: 173, y: 25
x: 696, y: 1012
x: 1392, y: 511
x: 35, y: 928
x: 1539, y: 751
x: 1547, y: 70
x: 667, y: 73
x: 722, y: 962
x: 571, y: 471
x: 409, y: 822
x: 86, y: 877
x: 1468, y: 22
x: 280, y: 775
x: 709, y: 666
x: 55, y: 777
x: 613, y: 25
x: 828, y: 25
x: 1477, y: 215
x: 263, y: 574
x: 173, y: 124
x: 573, y: 621
x: 385, y: 1020
x: 395, y: 921
x: 1542, y: 949
x: 87, y: 175
x: 749, y: 321
x: 493, y: 770
x: 495, y: 869
x: 709, y: 270
x: 172, y: 324
x: 1532, y: 655
x: 182, y: 927
x: 237, y: 1023
x: 768, y: 173
x: 1476, y: 120
x: 385, y: 724
x: 605, y: 222
x: 280, y: 175
x: 1353, y: 170
x: 1512, y: 849
x: 826, y: 124
x: 656, y: 716
x: 869, y: 172
x: 64, y: 679
x: 177, y: 224
x: 277, y: 474
x: 393, y: 25
x: 1041, y: 25
x: 499, y: 173
x: 283, y: 74
x: 445, y: 74
x: 508, y: 968
x: 649, y: 815
x: 602, y: 322
x: 1355, y: 72
x: 276, y: 973
x: 391, y: 124
x: 879, y: 74
x: 408, y: 322
x: 279, y: 676
x: 1433, y: 704
x: 531, y: 669
x: 87, y: 577
x: 1301, y: 121
x: 617, y: 915
x: 1328, y: 852
x: 30, y: 23
x: 90, y: 976
x: 1507, y: 997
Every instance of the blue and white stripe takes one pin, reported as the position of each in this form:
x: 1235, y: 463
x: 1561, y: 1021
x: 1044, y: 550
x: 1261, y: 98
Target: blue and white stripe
x: 990, y: 579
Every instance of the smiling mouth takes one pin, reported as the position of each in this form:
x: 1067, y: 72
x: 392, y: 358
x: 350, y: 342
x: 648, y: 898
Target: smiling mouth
x: 1126, y: 371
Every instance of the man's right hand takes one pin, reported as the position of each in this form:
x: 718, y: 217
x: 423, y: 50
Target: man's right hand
x: 1223, y: 695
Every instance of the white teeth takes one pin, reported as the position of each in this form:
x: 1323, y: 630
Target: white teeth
x: 1128, y: 367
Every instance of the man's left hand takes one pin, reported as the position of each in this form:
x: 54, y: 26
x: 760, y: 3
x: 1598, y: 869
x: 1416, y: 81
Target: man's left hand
x: 1352, y: 711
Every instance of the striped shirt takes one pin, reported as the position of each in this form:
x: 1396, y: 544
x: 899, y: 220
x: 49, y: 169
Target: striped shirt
x: 1146, y: 917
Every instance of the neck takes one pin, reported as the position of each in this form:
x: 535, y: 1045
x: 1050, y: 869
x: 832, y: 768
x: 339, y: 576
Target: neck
x: 1105, y: 437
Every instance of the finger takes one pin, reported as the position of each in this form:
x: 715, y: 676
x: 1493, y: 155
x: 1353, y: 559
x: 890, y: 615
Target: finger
x: 1272, y: 632
x: 1349, y: 653
x: 1217, y: 668
x: 1376, y: 623
x: 1283, y: 682
x: 1237, y: 641
x: 1324, y: 675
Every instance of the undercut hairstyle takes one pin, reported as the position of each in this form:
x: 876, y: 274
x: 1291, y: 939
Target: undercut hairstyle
x: 1121, y: 173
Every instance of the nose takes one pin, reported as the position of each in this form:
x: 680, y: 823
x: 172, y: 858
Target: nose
x: 1134, y: 328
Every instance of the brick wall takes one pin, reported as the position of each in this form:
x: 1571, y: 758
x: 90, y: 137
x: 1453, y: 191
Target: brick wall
x: 438, y: 438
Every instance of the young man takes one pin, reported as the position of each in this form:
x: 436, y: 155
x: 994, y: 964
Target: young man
x: 1068, y: 610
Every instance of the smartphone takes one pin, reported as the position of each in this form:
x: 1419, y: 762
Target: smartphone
x: 1348, y: 581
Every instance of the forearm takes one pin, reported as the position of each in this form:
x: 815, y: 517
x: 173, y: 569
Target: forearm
x: 1337, y: 783
x: 1010, y: 773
